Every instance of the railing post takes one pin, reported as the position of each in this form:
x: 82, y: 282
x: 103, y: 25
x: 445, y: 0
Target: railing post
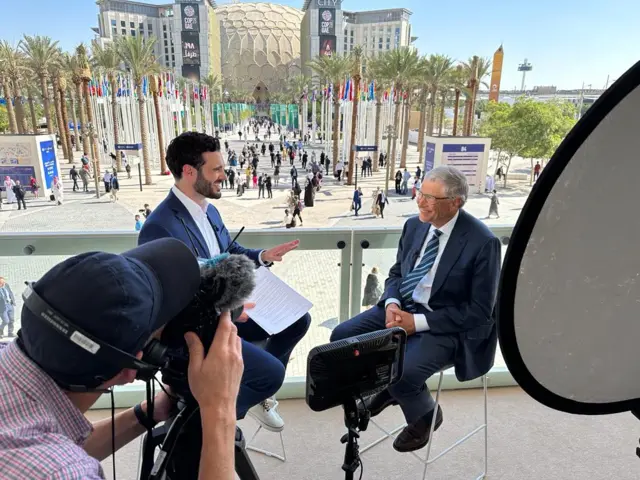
x: 356, y: 274
x: 345, y: 277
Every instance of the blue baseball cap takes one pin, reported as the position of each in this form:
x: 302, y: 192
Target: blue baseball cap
x: 119, y: 299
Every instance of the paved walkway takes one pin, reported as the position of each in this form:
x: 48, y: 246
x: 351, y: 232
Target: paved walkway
x: 314, y: 274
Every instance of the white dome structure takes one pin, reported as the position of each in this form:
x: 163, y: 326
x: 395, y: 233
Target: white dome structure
x: 260, y: 46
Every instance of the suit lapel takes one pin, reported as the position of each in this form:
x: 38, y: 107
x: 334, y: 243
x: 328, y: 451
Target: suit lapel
x: 452, y: 251
x: 197, y: 241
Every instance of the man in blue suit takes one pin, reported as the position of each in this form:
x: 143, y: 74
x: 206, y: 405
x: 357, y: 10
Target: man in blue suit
x: 197, y: 166
x: 441, y: 291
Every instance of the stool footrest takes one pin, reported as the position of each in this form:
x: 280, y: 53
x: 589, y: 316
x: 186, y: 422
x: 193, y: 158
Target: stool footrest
x: 282, y: 458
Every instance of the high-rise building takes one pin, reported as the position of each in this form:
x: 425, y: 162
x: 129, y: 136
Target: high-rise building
x: 327, y: 29
x: 187, y: 32
x: 376, y: 31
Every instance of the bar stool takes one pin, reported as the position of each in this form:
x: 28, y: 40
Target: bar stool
x: 427, y: 460
x: 283, y: 458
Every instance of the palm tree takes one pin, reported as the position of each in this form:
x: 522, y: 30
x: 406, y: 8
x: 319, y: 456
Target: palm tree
x: 42, y: 54
x: 59, y: 75
x: 401, y: 66
x: 137, y: 53
x: 107, y: 62
x: 153, y: 86
x: 436, y: 68
x: 457, y: 79
x: 476, y: 69
x: 74, y: 66
x: 6, y: 88
x: 31, y: 95
x: 375, y: 73
x: 333, y: 69
x: 85, y: 74
x: 297, y: 88
x: 14, y: 67
x: 356, y: 76
x: 68, y: 64
x: 55, y: 76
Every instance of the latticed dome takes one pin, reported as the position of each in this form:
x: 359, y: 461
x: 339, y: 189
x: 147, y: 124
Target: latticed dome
x: 260, y: 44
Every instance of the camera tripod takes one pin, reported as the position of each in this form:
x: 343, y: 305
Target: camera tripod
x: 356, y: 419
x: 181, y: 460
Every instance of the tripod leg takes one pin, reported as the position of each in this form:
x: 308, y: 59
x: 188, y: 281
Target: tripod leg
x: 244, y: 467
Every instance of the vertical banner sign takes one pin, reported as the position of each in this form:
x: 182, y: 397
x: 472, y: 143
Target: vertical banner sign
x: 496, y: 75
x: 465, y: 158
x: 429, y: 157
x: 190, y: 48
x: 327, y: 45
x: 49, y: 162
x: 190, y: 17
x: 327, y: 21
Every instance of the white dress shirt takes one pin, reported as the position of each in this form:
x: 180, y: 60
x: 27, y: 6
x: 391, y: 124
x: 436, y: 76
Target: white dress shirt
x: 199, y: 215
x: 422, y: 292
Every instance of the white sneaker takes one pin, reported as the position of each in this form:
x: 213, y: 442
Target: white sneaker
x: 266, y: 413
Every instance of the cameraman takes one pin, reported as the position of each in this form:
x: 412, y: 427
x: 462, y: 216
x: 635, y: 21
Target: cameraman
x: 48, y: 382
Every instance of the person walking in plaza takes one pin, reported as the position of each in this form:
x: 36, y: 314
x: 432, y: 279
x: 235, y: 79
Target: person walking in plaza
x: 339, y: 169
x: 261, y: 186
x: 267, y: 184
x: 34, y: 186
x: 406, y: 176
x: 493, y: 207
x: 381, y: 202
x: 138, y: 225
x: 58, y: 191
x: 115, y: 186
x: 254, y: 179
x: 7, y: 308
x: 20, y: 193
x: 73, y: 174
x: 276, y: 175
x: 372, y: 289
x: 127, y: 169
x: 536, y: 171
x: 84, y: 176
x: 357, y: 200
x: 8, y: 189
x: 106, y: 178
x: 398, y: 181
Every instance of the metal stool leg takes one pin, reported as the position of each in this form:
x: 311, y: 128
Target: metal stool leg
x: 282, y: 458
x: 387, y: 434
x: 427, y: 461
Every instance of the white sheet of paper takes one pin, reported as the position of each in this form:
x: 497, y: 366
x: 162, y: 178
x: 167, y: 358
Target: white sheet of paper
x: 278, y: 305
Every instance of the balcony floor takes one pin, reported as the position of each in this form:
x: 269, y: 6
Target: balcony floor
x: 526, y: 441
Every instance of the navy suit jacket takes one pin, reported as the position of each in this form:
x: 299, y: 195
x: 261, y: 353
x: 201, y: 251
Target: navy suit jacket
x: 172, y: 219
x: 464, y: 289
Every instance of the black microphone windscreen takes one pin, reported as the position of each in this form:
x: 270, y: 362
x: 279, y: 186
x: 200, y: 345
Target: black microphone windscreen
x: 230, y: 279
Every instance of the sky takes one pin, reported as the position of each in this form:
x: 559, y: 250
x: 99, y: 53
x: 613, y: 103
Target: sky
x: 568, y: 42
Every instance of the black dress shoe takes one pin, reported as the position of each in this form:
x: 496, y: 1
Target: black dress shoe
x: 416, y: 435
x: 378, y: 402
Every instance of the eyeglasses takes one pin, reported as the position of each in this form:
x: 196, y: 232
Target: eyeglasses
x: 429, y: 198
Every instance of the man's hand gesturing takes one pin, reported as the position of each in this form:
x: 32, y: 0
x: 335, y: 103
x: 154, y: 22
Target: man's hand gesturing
x: 215, y: 379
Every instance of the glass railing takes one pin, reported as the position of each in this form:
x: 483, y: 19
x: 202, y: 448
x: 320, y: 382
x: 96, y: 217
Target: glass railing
x: 329, y: 268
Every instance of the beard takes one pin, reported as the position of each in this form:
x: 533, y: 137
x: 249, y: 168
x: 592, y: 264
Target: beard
x: 205, y: 188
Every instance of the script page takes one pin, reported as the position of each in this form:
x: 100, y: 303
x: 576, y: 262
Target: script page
x: 278, y: 305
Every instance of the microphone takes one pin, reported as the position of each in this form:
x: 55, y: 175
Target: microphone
x: 227, y: 280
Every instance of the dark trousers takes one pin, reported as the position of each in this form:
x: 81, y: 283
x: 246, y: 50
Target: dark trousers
x: 426, y: 354
x: 21, y: 201
x: 7, y: 319
x: 75, y: 184
x: 107, y: 187
x: 357, y: 206
x: 264, y: 369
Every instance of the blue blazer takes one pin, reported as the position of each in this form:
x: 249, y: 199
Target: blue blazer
x: 464, y: 289
x: 172, y: 219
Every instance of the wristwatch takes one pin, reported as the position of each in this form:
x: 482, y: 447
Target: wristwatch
x: 142, y: 417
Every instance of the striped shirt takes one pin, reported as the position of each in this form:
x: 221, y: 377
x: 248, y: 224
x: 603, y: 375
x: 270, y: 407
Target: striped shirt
x: 41, y: 431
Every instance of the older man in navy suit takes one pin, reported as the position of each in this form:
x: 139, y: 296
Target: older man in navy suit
x: 197, y: 166
x: 441, y: 291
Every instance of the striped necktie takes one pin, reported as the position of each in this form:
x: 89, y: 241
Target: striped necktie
x: 411, y: 281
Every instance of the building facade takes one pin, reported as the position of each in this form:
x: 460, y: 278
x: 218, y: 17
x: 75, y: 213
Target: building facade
x: 187, y: 32
x: 327, y: 29
x: 376, y: 31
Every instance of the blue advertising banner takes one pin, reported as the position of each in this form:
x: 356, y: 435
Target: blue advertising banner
x: 365, y: 148
x: 429, y: 157
x: 49, y: 162
x: 22, y: 173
